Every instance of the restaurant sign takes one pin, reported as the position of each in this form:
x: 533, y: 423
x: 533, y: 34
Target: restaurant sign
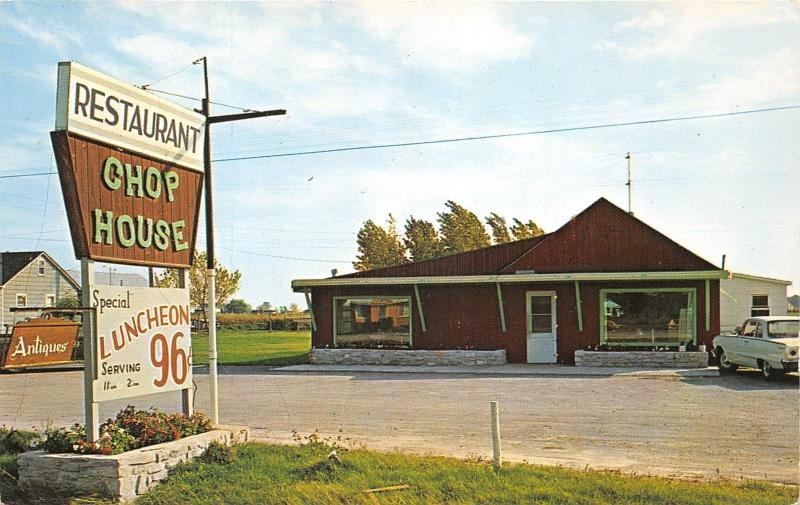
x: 143, y: 343
x: 99, y: 107
x: 130, y: 166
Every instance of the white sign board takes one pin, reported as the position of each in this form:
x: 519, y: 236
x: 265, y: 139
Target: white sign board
x: 102, y: 108
x: 143, y: 341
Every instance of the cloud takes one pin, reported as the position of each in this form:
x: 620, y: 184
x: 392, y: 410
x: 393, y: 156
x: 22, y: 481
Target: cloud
x: 45, y: 33
x: 755, y: 82
x: 678, y: 30
x: 446, y: 36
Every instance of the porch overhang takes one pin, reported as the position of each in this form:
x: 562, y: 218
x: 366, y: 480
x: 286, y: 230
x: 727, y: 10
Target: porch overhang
x: 299, y: 285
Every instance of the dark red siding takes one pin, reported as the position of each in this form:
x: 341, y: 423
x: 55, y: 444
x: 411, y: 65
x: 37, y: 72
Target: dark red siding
x: 467, y: 316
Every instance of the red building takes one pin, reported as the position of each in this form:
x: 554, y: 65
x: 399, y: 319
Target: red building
x: 603, y: 278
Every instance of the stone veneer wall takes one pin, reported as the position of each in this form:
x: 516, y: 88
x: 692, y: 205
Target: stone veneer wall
x: 406, y: 358
x: 642, y: 359
x: 122, y: 477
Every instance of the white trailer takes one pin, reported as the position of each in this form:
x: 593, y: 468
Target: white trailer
x: 743, y: 296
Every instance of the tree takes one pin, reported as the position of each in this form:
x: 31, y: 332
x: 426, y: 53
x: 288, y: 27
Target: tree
x: 238, y: 306
x: 461, y: 230
x: 499, y: 229
x: 294, y: 308
x: 379, y: 247
x: 525, y: 230
x: 422, y: 240
x: 227, y: 282
x: 67, y: 301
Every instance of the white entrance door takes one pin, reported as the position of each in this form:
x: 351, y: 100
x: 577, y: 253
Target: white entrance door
x: 541, y: 311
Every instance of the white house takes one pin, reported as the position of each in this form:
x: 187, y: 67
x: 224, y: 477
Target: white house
x: 31, y: 279
x: 743, y: 296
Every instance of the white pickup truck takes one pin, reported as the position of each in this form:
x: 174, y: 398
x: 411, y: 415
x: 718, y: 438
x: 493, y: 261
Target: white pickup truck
x: 770, y: 344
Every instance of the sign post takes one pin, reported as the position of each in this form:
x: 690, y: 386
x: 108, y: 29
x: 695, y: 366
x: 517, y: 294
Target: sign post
x: 187, y: 394
x: 90, y: 410
x: 211, y: 274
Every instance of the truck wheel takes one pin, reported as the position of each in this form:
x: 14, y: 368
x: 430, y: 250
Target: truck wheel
x: 768, y: 372
x: 725, y: 365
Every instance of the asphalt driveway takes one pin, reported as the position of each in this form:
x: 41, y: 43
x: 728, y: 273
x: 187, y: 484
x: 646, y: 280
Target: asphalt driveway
x: 733, y: 427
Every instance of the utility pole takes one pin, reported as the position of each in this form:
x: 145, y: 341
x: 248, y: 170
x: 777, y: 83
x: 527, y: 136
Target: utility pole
x: 211, y: 273
x: 630, y: 187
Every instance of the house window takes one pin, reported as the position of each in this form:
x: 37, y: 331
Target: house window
x: 651, y: 317
x: 49, y: 300
x: 41, y: 267
x: 759, y: 306
x: 22, y: 300
x: 372, y: 322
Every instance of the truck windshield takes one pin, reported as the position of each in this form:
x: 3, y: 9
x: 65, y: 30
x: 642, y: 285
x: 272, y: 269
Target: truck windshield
x: 783, y: 329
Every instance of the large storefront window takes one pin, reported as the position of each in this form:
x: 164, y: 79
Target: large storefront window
x: 658, y: 317
x: 373, y: 322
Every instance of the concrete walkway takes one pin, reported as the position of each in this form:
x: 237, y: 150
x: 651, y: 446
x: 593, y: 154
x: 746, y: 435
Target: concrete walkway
x: 507, y: 370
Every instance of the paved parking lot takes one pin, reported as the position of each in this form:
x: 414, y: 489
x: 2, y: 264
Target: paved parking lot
x: 733, y: 427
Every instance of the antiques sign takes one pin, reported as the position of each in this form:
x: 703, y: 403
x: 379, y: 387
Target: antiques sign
x: 143, y: 341
x: 130, y: 169
x: 41, y: 341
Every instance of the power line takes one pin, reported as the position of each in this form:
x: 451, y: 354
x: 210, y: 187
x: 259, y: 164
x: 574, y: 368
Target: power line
x: 26, y: 175
x: 507, y: 135
x: 477, y: 137
x: 284, y: 257
x: 148, y: 88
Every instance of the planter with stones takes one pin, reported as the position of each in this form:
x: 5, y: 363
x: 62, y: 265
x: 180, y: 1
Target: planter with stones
x: 121, y: 477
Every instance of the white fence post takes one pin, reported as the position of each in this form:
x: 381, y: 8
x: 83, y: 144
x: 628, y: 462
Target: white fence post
x: 497, y: 452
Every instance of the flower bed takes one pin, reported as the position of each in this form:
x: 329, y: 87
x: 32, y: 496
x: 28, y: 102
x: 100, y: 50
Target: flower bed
x: 642, y: 359
x: 406, y: 357
x: 131, y: 429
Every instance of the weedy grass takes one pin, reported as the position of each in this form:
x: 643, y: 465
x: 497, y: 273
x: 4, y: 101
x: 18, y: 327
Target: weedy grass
x: 254, y: 347
x: 290, y: 475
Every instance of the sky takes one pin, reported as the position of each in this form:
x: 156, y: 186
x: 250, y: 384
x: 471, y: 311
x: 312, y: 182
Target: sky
x: 361, y: 74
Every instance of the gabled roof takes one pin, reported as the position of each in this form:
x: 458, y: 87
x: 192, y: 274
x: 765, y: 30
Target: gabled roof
x: 484, y: 261
x: 602, y: 238
x: 14, y: 262
x: 605, y: 238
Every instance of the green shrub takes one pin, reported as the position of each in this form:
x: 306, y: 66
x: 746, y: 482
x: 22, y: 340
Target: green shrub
x: 218, y: 453
x: 259, y: 321
x: 60, y: 440
x: 15, y: 441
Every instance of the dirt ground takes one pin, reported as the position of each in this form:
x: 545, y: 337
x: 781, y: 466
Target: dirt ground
x: 731, y: 426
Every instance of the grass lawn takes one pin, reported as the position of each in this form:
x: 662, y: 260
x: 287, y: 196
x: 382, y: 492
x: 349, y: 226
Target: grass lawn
x: 303, y: 475
x: 254, y: 347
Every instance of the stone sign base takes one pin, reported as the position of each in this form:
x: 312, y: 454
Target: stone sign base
x: 406, y: 358
x: 642, y: 359
x: 122, y: 477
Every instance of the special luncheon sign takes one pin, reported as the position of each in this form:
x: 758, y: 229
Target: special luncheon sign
x: 143, y: 341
